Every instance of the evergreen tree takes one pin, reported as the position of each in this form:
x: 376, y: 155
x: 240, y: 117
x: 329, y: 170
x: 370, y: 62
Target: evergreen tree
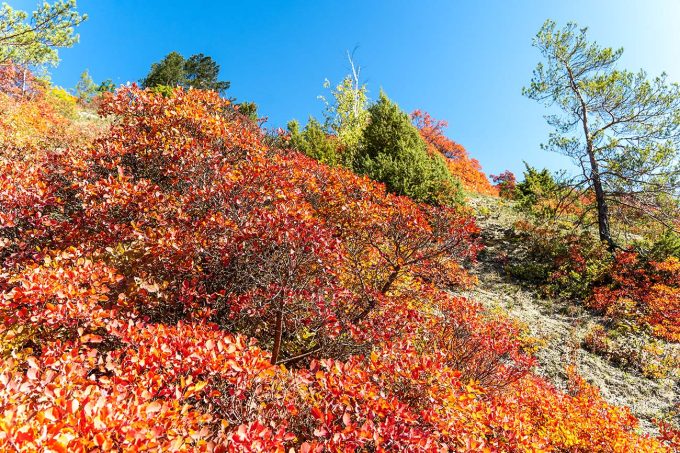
x: 621, y: 128
x: 35, y: 40
x: 392, y: 151
x: 106, y: 86
x: 536, y: 184
x: 199, y: 71
x: 202, y: 73
x: 248, y: 109
x: 170, y: 71
x: 313, y: 141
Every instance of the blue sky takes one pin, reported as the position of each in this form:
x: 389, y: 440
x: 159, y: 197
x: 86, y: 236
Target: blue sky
x: 463, y: 61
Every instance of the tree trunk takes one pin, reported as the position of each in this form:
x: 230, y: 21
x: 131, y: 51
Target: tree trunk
x: 278, y: 333
x: 371, y: 303
x: 602, y: 208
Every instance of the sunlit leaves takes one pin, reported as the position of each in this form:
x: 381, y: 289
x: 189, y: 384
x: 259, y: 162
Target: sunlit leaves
x: 178, y: 286
x: 458, y: 161
x: 643, y: 292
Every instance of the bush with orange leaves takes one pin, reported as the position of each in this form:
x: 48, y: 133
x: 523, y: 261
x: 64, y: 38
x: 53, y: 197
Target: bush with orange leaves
x: 506, y: 183
x: 35, y: 116
x: 184, y: 203
x: 459, y: 162
x: 155, y: 283
x: 646, y: 292
x: 192, y: 386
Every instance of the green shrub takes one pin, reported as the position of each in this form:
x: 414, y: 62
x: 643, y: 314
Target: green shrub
x: 247, y: 109
x: 564, y: 264
x: 164, y: 90
x: 536, y: 192
x: 313, y: 141
x: 665, y: 246
x: 392, y: 151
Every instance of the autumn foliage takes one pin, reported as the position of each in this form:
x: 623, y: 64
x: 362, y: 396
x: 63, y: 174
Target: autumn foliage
x: 647, y: 292
x: 34, y: 115
x: 177, y: 285
x: 506, y: 183
x: 458, y: 160
x: 629, y: 286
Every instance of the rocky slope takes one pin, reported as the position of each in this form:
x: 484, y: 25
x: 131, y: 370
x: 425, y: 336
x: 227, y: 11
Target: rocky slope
x: 562, y: 325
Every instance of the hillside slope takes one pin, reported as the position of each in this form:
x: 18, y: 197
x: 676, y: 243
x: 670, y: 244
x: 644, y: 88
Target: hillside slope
x: 561, y: 324
x: 177, y: 284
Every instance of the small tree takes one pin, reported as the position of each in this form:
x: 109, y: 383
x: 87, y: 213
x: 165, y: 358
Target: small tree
x: 86, y: 89
x: 619, y: 127
x: 346, y: 116
x: 170, y: 71
x: 107, y: 86
x: 202, y: 73
x: 392, y: 151
x: 506, y: 183
x: 542, y: 193
x: 313, y: 141
x: 248, y: 109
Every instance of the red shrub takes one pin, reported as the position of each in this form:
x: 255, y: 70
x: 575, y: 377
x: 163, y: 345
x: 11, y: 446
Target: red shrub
x: 459, y: 162
x: 506, y: 183
x: 646, y: 292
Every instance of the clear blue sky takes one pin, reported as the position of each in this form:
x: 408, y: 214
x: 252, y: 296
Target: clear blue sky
x: 463, y: 61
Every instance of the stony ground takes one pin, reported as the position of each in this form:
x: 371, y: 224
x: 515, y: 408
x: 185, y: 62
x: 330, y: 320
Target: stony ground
x: 562, y: 325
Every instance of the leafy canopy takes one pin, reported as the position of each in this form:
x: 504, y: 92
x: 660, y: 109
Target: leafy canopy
x: 347, y: 116
x: 35, y: 40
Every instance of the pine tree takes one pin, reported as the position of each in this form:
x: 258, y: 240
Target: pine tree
x: 621, y: 128
x: 392, y: 151
x: 170, y: 71
x: 33, y: 40
x: 199, y: 71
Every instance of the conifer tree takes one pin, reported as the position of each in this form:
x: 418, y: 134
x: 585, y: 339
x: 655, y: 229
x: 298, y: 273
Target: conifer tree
x: 313, y: 141
x: 85, y: 88
x: 621, y: 128
x: 392, y: 151
x: 198, y: 71
x: 33, y: 39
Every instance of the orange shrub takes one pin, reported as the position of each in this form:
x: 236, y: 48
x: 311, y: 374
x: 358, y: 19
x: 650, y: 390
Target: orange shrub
x: 646, y: 292
x: 35, y: 117
x: 459, y: 162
